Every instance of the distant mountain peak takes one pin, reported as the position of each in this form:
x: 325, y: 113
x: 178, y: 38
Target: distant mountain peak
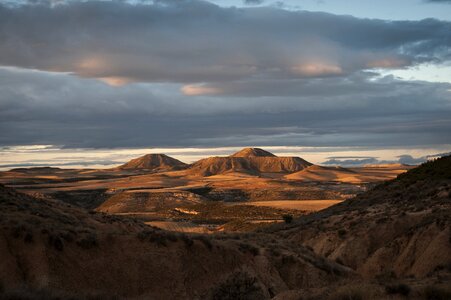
x: 253, y: 152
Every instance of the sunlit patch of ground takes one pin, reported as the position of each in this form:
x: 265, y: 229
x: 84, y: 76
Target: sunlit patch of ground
x: 304, y: 205
x: 187, y: 227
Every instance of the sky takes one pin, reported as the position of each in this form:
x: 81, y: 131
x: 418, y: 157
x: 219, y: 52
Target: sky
x: 94, y: 83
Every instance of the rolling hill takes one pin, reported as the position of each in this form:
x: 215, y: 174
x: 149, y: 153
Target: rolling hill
x: 320, y: 173
x: 154, y: 162
x: 356, y: 175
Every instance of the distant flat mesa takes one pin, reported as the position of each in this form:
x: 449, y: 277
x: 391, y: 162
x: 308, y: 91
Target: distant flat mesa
x: 371, y: 173
x: 157, y: 162
x: 249, y: 160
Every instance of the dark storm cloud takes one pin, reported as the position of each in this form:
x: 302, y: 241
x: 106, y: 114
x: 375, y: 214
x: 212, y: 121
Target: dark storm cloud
x: 195, y: 42
x: 49, y: 108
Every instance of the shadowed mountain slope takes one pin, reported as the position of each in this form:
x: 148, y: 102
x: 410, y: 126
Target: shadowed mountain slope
x: 399, y: 228
x: 157, y: 162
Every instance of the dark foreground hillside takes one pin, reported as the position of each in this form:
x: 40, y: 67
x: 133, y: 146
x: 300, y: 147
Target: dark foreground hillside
x: 52, y: 249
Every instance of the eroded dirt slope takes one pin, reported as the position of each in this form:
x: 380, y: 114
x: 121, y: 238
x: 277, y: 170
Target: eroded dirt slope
x: 400, y: 228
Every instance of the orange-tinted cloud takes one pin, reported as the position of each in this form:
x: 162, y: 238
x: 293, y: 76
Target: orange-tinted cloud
x: 313, y: 69
x: 199, y: 90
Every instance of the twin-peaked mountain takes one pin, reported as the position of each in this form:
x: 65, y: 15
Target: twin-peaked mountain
x: 249, y: 160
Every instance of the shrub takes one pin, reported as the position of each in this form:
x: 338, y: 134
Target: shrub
x: 249, y: 248
x: 56, y: 242
x: 288, y: 218
x: 28, y: 237
x: 402, y: 289
x: 436, y: 293
x: 342, y: 233
x: 157, y: 237
x: 88, y: 242
x: 239, y: 286
x: 171, y: 237
x: 206, y: 241
x: 385, y: 277
x: 288, y: 259
x: 274, y: 251
x: 187, y: 240
x: 350, y: 293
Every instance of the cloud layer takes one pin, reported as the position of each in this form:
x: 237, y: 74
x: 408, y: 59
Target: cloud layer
x: 46, y: 108
x: 198, y: 42
x: 190, y: 73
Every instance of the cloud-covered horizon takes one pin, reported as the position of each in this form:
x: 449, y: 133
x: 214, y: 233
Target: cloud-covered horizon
x: 174, y: 73
x: 357, y: 161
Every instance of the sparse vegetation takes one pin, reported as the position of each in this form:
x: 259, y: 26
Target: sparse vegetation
x: 187, y: 240
x: 349, y: 293
x: 27, y: 293
x: 401, y: 289
x: 239, y: 286
x: 89, y: 241
x: 288, y: 218
x: 56, y: 242
x: 245, y: 247
x: 354, y: 291
x: 205, y: 240
x: 433, y: 292
x: 158, y: 237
